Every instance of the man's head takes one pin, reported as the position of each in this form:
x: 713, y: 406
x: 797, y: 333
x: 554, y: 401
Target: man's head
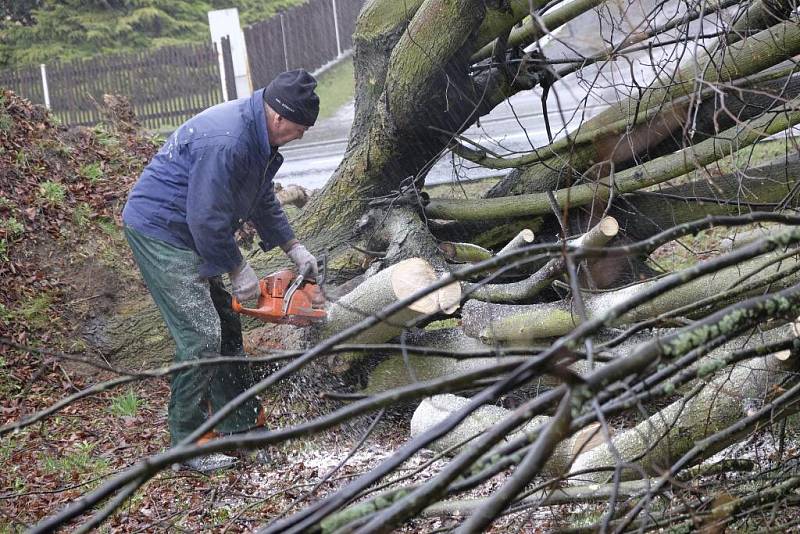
x: 292, y: 106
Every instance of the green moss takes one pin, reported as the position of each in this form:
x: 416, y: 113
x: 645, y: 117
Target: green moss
x: 381, y: 17
x: 709, y: 367
x: 439, y: 325
x: 357, y: 511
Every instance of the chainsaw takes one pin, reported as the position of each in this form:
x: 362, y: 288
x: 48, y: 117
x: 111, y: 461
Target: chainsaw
x: 286, y: 298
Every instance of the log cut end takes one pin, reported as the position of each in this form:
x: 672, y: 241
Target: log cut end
x: 609, y: 226
x: 413, y: 274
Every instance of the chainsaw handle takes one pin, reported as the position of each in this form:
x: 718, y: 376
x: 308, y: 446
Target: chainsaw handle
x: 306, y: 271
x: 237, y: 306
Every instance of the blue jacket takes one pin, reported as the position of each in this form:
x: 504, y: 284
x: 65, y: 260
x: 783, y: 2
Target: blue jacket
x: 212, y: 174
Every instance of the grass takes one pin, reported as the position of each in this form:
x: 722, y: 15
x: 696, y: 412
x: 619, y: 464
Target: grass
x: 82, y: 215
x: 91, y: 172
x: 126, y: 404
x: 21, y: 159
x: 80, y: 461
x: 105, y: 138
x: 335, y: 88
x: 6, y: 122
x: 12, y: 226
x: 35, y: 311
x: 52, y: 193
x: 9, y: 387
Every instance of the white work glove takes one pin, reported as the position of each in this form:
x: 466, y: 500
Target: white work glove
x: 244, y: 282
x: 305, y: 261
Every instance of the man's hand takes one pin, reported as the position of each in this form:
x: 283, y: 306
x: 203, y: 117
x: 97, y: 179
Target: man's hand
x: 244, y: 282
x: 305, y: 261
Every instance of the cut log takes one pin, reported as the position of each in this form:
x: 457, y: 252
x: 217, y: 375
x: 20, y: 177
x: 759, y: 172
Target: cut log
x: 394, y: 283
x: 397, y: 371
x: 293, y: 195
x: 739, y: 239
x: 488, y: 235
x: 648, y: 174
x: 549, y: 497
x: 597, y: 236
x: 464, y: 252
x: 762, y: 187
x: 525, y: 237
x: 402, y: 370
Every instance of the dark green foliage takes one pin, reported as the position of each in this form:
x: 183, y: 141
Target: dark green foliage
x: 17, y: 12
x: 65, y: 29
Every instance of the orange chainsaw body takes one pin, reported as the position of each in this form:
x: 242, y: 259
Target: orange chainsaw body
x: 286, y: 299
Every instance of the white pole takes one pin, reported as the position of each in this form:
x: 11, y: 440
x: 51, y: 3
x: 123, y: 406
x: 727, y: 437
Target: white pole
x: 336, y: 29
x: 283, y: 36
x: 45, y: 89
x: 221, y: 61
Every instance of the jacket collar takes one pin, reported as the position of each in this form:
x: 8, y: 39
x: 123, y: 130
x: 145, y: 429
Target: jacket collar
x: 260, y: 115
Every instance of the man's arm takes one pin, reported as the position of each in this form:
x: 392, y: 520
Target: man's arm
x: 274, y: 229
x: 209, y: 211
x: 286, y: 247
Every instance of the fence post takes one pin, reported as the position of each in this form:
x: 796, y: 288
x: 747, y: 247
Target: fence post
x: 336, y: 29
x: 283, y: 38
x: 227, y: 61
x: 225, y: 22
x: 45, y: 90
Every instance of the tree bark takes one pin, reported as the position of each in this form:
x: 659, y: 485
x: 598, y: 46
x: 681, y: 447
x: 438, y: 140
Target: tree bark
x: 493, y: 323
x: 656, y: 443
x: 646, y: 175
x: 433, y: 410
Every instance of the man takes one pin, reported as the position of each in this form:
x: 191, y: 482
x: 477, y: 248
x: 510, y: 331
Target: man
x: 212, y: 175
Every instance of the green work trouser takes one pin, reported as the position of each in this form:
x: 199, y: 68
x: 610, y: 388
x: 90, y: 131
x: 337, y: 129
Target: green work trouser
x: 199, y: 317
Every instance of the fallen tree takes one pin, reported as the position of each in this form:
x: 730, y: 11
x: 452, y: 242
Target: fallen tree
x: 618, y: 371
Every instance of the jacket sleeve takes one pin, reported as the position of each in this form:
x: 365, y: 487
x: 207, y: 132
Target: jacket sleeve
x: 210, y: 211
x: 270, y: 221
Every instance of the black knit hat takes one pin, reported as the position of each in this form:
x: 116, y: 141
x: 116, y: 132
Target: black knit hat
x: 292, y: 95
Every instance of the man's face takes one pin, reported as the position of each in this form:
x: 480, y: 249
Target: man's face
x: 284, y: 131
